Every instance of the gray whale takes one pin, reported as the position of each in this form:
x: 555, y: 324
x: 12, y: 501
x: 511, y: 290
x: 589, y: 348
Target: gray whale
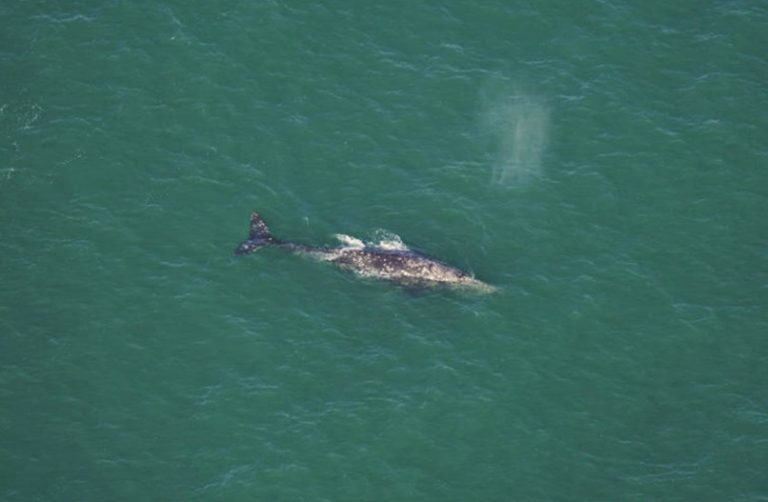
x: 401, y: 265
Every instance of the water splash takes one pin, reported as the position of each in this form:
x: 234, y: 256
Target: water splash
x: 349, y: 241
x: 381, y: 239
x: 519, y: 126
x: 384, y: 239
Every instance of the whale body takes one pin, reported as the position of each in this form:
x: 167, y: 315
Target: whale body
x: 399, y: 264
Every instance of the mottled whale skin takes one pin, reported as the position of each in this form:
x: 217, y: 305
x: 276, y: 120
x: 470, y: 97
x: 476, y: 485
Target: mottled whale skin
x: 400, y: 265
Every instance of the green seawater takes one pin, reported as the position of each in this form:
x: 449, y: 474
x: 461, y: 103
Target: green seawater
x: 604, y: 164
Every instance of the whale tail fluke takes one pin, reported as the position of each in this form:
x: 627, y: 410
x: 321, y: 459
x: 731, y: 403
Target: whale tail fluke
x: 258, y: 236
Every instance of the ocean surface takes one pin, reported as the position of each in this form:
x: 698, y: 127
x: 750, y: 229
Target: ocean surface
x: 604, y: 164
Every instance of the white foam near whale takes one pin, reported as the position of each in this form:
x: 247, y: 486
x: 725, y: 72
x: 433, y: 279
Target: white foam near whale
x: 349, y: 241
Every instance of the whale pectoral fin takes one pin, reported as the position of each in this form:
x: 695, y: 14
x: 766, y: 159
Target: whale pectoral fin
x: 258, y: 229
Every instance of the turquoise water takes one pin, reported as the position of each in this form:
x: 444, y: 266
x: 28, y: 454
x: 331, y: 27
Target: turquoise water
x: 603, y: 164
